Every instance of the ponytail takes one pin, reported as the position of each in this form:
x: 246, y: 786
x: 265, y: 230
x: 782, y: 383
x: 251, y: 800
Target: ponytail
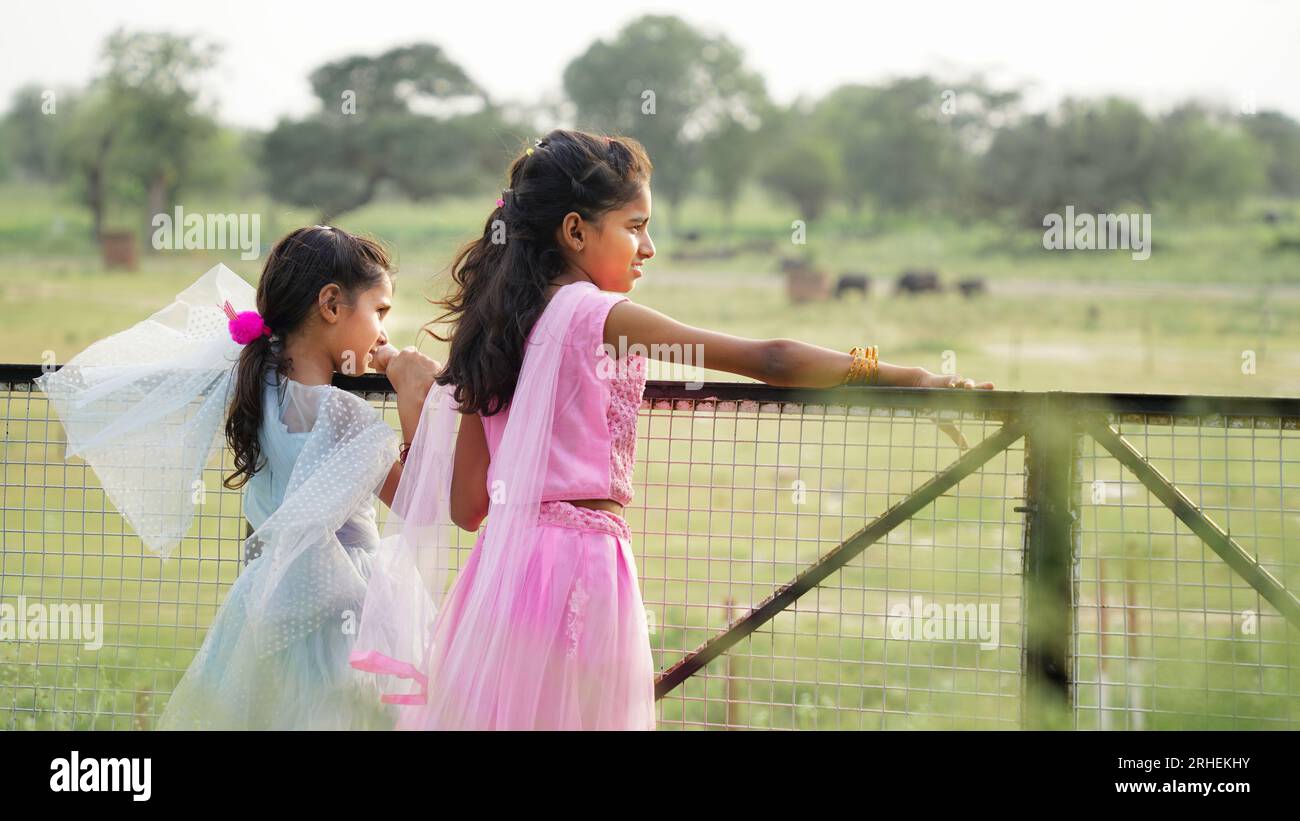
x: 245, y: 418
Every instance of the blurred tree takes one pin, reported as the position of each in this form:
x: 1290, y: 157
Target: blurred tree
x: 1096, y: 155
x: 1205, y: 162
x: 804, y: 170
x: 6, y: 151
x: 31, y: 132
x: 976, y: 112
x: 1106, y: 147
x: 678, y: 91
x: 1019, y: 174
x: 410, y: 118
x: 1101, y: 156
x: 153, y: 85
x: 86, y: 142
x: 896, y: 144
x: 730, y: 155
x: 134, y: 135
x: 1281, y: 137
x: 227, y: 166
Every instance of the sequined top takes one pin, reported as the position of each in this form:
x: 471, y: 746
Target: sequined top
x: 593, y: 441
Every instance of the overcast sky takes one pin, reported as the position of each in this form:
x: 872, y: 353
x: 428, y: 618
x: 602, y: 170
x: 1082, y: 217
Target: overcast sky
x: 1158, y: 53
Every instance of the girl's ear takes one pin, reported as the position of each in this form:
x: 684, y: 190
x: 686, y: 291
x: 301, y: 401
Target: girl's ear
x: 328, y: 301
x: 572, y: 231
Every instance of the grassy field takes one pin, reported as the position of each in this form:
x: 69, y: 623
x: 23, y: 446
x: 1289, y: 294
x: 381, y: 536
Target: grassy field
x: 1180, y: 322
x: 716, y: 521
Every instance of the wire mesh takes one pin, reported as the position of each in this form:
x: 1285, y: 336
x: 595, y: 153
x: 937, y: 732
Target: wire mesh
x: 1167, y: 636
x: 735, y: 497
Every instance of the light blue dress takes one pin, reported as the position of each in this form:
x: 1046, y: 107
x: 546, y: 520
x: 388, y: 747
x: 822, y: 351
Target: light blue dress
x: 309, y: 684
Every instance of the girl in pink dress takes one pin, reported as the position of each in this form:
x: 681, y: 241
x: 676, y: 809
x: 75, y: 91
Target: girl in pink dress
x: 545, y: 627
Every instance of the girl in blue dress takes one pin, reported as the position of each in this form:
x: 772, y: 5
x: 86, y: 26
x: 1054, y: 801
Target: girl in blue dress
x: 143, y: 408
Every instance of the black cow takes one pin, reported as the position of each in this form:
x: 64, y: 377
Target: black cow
x: 916, y: 281
x: 852, y: 282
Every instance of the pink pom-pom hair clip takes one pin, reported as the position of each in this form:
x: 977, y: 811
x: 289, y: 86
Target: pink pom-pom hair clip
x: 245, y: 326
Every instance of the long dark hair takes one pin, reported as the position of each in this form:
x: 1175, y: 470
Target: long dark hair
x: 300, y: 264
x: 499, y: 288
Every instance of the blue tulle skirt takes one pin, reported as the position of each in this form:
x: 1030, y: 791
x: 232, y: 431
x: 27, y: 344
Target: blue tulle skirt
x: 308, y: 685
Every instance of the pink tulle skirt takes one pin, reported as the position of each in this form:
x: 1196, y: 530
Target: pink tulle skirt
x: 575, y: 653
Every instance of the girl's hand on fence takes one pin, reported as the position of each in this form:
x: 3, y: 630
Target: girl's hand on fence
x: 925, y: 379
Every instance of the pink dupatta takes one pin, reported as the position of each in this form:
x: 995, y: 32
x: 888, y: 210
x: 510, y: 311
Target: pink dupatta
x: 400, y: 625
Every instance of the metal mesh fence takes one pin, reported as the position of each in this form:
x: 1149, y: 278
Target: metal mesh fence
x: 737, y: 497
x: 801, y: 562
x: 1167, y: 635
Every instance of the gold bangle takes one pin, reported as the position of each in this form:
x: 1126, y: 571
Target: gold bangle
x: 856, y: 367
x: 864, y: 367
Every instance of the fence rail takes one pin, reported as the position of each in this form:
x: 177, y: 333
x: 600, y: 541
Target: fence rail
x: 808, y: 559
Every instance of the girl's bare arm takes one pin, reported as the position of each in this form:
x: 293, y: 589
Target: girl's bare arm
x: 469, y: 495
x: 784, y: 362
x: 411, y: 374
x: 409, y: 408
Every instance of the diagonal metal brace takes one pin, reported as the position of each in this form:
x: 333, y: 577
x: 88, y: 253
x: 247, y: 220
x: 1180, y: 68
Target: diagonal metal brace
x: 839, y: 556
x: 1220, y: 542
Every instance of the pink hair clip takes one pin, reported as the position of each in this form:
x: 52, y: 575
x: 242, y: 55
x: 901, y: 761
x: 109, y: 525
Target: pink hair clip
x: 245, y: 326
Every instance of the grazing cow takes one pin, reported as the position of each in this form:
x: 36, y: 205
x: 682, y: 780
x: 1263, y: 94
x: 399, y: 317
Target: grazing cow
x: 852, y: 282
x: 916, y: 281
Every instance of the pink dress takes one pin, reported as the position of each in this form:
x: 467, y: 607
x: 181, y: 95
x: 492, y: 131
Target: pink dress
x: 577, y: 651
